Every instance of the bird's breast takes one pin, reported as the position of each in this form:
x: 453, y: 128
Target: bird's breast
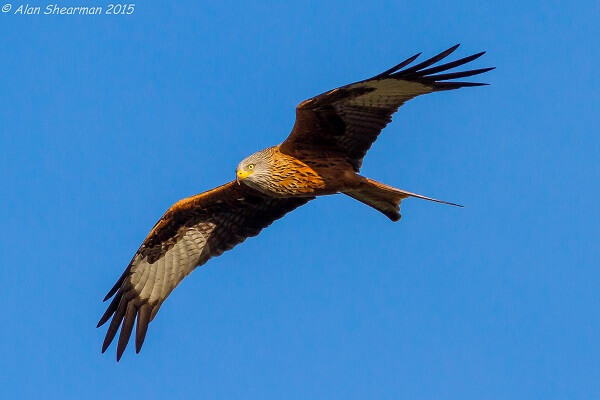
x: 306, y: 175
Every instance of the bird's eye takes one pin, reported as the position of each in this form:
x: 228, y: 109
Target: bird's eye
x: 250, y: 167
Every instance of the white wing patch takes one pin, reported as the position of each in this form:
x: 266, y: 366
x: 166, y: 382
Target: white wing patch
x: 154, y: 282
x: 388, y: 92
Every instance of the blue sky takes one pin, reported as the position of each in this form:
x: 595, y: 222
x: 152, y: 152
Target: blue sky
x: 105, y: 121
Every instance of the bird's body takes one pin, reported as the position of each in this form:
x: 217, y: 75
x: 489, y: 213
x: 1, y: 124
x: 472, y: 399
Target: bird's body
x: 305, y: 174
x: 322, y: 156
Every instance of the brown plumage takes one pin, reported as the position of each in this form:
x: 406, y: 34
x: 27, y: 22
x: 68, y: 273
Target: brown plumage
x: 322, y: 156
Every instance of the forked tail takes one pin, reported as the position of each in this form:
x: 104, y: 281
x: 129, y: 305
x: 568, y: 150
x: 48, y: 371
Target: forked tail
x: 384, y: 198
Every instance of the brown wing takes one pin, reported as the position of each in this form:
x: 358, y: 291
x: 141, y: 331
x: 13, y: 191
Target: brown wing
x: 347, y: 120
x: 191, y: 232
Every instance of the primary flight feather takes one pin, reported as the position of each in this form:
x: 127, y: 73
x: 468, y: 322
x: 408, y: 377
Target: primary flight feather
x: 321, y: 156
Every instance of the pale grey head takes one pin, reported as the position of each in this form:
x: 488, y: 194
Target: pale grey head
x: 255, y: 170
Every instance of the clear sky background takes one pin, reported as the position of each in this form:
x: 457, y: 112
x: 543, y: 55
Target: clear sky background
x: 105, y: 121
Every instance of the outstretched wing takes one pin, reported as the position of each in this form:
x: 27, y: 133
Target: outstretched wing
x: 347, y: 120
x: 191, y: 232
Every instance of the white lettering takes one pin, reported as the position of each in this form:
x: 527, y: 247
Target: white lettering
x: 56, y: 10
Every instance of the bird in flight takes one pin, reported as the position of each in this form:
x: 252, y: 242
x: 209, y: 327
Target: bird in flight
x: 321, y: 156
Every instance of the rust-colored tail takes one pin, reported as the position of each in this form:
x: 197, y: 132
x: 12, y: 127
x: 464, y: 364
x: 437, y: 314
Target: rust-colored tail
x: 384, y: 198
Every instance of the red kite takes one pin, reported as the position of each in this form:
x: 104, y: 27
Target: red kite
x: 322, y: 156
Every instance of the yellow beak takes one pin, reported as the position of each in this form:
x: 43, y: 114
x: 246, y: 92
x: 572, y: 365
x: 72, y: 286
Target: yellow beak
x: 241, y: 175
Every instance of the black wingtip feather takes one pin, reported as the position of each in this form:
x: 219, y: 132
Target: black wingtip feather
x: 420, y: 72
x: 457, y: 85
x: 396, y: 67
x: 143, y: 320
x: 105, y: 344
x: 110, y: 310
x: 113, y: 328
x: 119, y: 283
x: 450, y: 65
x: 430, y: 61
x: 457, y: 75
x: 126, y: 329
